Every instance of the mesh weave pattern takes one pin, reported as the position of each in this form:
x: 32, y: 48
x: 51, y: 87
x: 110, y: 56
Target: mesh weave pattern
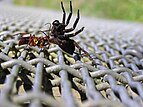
x: 52, y: 78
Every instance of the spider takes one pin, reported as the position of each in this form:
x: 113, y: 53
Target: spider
x: 61, y: 36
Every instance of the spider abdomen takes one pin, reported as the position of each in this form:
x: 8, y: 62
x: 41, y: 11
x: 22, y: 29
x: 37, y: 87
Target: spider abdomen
x: 68, y: 46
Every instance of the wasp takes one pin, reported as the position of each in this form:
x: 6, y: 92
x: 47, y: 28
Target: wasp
x: 32, y: 40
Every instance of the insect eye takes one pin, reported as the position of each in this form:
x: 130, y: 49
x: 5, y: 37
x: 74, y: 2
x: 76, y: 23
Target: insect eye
x: 56, y: 23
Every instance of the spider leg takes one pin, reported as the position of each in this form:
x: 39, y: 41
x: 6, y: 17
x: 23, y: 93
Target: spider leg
x: 70, y: 14
x: 64, y: 13
x: 77, y: 19
x: 74, y: 25
x: 74, y: 34
x: 80, y: 49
